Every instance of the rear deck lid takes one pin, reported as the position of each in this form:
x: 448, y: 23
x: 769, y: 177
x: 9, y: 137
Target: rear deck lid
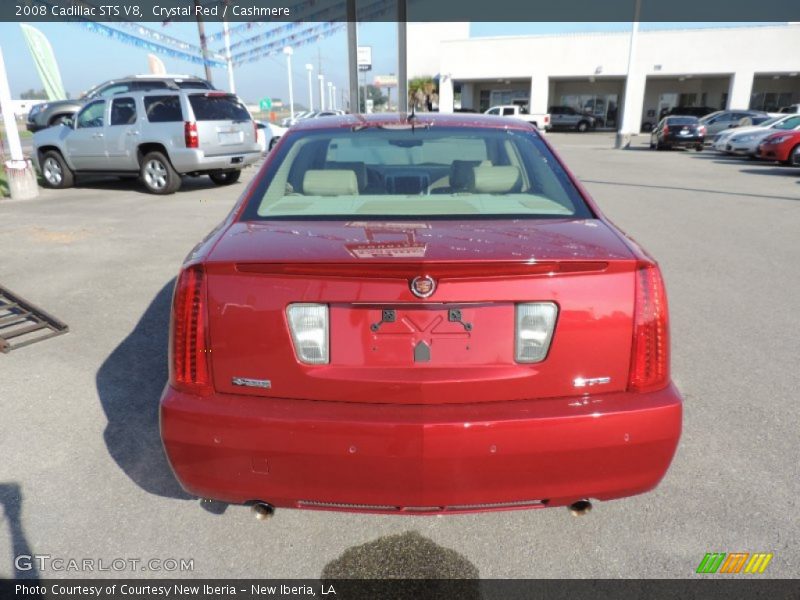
x: 388, y: 344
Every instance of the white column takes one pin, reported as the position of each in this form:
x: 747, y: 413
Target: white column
x: 740, y: 90
x: 330, y: 95
x: 9, y: 120
x: 309, y: 68
x: 21, y: 176
x: 633, y: 98
x: 540, y: 84
x: 633, y: 104
x: 333, y: 98
x: 445, y: 93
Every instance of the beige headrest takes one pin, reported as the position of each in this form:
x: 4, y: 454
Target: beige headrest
x: 359, y: 168
x: 461, y: 173
x: 330, y: 182
x: 493, y: 180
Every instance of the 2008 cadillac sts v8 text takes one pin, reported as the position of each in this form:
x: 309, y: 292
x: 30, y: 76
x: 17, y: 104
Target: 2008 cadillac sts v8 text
x: 418, y: 315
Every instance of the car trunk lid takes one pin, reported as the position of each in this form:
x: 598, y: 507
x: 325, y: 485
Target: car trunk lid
x: 387, y: 344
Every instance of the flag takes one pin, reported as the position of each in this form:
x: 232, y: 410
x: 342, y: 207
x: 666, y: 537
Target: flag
x: 45, y: 61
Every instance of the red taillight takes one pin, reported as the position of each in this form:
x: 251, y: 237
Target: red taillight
x: 189, y: 348
x: 665, y: 131
x: 702, y: 129
x: 546, y: 119
x: 255, y: 131
x: 190, y: 134
x: 650, y: 352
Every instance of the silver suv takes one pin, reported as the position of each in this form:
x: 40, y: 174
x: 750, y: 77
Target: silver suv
x: 157, y: 135
x: 48, y: 114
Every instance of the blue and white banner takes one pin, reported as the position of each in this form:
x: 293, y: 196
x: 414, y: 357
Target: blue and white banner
x: 148, y: 45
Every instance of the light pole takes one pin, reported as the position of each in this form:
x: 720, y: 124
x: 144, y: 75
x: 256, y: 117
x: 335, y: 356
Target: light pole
x: 321, y: 78
x: 228, y: 59
x: 288, y: 52
x: 309, y: 68
x: 330, y: 95
x: 333, y: 98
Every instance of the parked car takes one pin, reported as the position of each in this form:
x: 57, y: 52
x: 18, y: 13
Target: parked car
x: 48, y: 114
x: 721, y: 120
x: 757, y: 120
x: 345, y: 341
x: 311, y: 114
x: 158, y: 136
x: 722, y: 138
x: 678, y: 132
x: 540, y: 120
x: 746, y: 143
x: 791, y: 109
x: 687, y: 111
x: 566, y: 117
x: 783, y: 147
x: 268, y: 134
x: 288, y: 121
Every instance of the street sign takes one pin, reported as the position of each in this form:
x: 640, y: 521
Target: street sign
x: 265, y: 104
x: 364, y: 58
x: 385, y: 81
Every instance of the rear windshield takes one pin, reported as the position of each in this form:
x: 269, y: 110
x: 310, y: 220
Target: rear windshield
x: 426, y: 172
x: 218, y: 108
x: 682, y: 121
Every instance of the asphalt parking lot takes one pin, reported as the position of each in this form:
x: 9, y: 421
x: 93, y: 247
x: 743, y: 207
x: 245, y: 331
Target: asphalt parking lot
x: 82, y: 474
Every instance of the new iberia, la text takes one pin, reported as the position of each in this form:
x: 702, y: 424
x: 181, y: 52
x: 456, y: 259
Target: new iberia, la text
x: 174, y: 590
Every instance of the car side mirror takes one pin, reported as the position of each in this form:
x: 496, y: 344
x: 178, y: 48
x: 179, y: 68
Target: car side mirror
x: 68, y: 122
x: 733, y: 125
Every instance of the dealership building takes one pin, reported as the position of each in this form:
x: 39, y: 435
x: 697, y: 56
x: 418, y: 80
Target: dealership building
x: 741, y: 67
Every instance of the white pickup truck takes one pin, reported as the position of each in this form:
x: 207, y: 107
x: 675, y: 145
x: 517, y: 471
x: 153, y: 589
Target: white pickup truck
x: 541, y: 120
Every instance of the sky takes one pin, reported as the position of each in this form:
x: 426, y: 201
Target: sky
x: 86, y: 58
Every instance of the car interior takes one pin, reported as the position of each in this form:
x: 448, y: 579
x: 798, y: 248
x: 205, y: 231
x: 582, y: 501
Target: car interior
x: 467, y: 174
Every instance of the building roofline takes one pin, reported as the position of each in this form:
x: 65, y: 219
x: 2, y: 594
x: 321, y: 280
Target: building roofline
x: 568, y: 34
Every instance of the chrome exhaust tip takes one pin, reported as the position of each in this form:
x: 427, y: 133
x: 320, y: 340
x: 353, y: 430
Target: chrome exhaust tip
x: 580, y: 508
x: 263, y: 511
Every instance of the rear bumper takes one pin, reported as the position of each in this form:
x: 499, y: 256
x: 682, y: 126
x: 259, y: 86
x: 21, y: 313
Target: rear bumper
x: 415, y: 458
x: 186, y: 160
x: 685, y: 141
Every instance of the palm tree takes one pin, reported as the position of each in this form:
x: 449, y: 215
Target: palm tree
x: 422, y: 91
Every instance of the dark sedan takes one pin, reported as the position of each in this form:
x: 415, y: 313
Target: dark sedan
x: 677, y: 132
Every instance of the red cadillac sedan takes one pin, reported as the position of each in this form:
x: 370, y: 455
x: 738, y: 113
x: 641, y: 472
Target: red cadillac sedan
x: 418, y: 315
x: 783, y: 147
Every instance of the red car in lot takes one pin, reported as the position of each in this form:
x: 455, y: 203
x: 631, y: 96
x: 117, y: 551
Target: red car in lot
x: 418, y: 315
x: 783, y: 147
